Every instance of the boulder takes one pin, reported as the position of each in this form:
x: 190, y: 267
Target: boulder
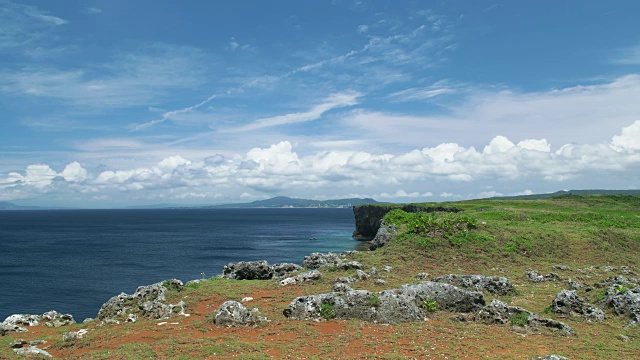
x: 55, y: 319
x: 17, y: 344
x: 318, y: 260
x: 498, y: 312
x: 341, y: 287
x: 494, y: 284
x: 404, y: 304
x: 625, y: 302
x: 303, y: 277
x: 552, y: 357
x: 383, y: 235
x: 284, y: 269
x: 7, y: 327
x: 349, y: 265
x: 362, y: 275
x: 535, y: 276
x: 147, y: 301
x: 233, y: 313
x: 31, y: 350
x: 567, y: 302
x: 248, y: 270
x: 448, y: 297
x: 385, y: 307
x: 422, y: 276
x: 17, y: 322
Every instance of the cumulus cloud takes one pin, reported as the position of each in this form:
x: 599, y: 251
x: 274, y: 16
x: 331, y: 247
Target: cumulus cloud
x: 629, y: 139
x: 412, y: 175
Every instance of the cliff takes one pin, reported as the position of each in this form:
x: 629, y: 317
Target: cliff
x: 369, y: 217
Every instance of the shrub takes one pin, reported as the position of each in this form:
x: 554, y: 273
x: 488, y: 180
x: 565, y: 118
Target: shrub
x: 429, y: 305
x: 374, y: 300
x: 520, y: 319
x: 327, y: 311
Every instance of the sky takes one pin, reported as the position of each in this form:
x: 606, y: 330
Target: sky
x: 116, y: 103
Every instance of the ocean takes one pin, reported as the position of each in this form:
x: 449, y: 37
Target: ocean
x: 73, y: 261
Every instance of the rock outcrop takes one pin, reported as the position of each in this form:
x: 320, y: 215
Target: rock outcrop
x: 257, y: 270
x: 498, y: 312
x: 535, y: 276
x: 147, y: 301
x: 625, y: 301
x: 32, y: 350
x: 369, y: 217
x: 338, y: 261
x: 494, y: 284
x: 568, y: 303
x: 19, y: 322
x: 233, y: 313
x: 303, y: 277
x: 407, y: 303
x: 383, y: 235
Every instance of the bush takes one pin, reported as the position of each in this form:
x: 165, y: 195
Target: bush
x: 429, y: 305
x: 374, y: 300
x: 327, y: 311
x: 520, y: 319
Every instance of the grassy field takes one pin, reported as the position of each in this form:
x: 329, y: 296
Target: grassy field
x: 596, y: 236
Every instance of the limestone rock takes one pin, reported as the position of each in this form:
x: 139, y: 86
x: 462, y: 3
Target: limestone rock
x: 17, y: 344
x: 284, y: 269
x: 17, y: 322
x: 349, y: 265
x: 248, y: 270
x: 494, y: 284
x: 233, y: 313
x: 422, y: 276
x: 362, y: 275
x: 147, y: 301
x: 383, y: 235
x: 448, y: 297
x: 303, y: 277
x: 625, y: 302
x: 567, y: 302
x: 341, y: 287
x: 31, y: 350
x: 498, y: 312
x: 345, y: 279
x: 552, y: 357
x: 318, y: 260
x: 385, y: 307
x: 535, y: 276
x: 390, y: 306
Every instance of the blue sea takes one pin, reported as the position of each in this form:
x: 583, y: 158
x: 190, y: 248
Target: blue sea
x: 73, y: 261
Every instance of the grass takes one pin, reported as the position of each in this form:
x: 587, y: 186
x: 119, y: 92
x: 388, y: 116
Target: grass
x: 491, y: 237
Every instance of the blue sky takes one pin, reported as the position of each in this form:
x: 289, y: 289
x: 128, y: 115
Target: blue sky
x: 112, y: 103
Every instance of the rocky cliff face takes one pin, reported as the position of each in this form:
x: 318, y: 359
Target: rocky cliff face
x: 369, y: 217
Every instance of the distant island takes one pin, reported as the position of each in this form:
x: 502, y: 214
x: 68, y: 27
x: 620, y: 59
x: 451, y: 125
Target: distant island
x: 287, y: 202
x: 568, y: 193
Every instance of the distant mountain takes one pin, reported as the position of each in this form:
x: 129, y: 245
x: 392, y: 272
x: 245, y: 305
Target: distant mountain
x: 284, y: 201
x: 570, y: 192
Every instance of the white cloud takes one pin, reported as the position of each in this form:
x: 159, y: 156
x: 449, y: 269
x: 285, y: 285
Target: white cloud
x: 139, y: 78
x: 74, y: 172
x: 442, y: 169
x: 333, y: 101
x: 629, y: 139
x: 578, y: 114
x: 363, y: 28
x: 93, y: 10
x: 25, y: 25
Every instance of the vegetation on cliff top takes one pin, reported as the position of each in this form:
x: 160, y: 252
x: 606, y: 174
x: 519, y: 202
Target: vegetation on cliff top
x: 594, y: 236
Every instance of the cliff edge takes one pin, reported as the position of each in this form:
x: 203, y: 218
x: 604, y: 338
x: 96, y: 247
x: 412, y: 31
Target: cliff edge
x: 369, y: 217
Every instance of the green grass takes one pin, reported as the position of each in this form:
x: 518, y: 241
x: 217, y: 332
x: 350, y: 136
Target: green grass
x: 519, y: 319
